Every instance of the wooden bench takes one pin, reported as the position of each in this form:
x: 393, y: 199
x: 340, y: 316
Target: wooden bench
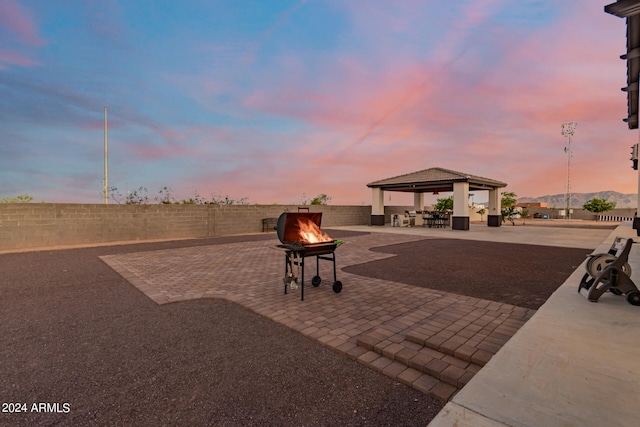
x: 268, y: 224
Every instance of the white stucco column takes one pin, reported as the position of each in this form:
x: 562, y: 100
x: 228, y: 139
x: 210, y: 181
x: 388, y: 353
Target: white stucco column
x: 460, y: 219
x: 418, y: 201
x: 377, y: 206
x: 494, y: 216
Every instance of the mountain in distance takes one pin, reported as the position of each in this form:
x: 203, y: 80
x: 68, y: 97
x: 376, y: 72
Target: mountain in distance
x: 578, y: 199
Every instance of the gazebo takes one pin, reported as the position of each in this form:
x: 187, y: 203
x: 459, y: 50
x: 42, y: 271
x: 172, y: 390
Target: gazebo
x: 435, y: 180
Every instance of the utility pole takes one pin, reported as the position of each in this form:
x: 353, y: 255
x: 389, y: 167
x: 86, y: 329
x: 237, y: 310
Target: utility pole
x: 106, y: 160
x: 568, y: 130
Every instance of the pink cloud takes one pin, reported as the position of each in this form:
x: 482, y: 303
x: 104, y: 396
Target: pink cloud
x: 19, y: 24
x: 150, y: 152
x: 18, y: 20
x: 498, y: 118
x: 10, y: 58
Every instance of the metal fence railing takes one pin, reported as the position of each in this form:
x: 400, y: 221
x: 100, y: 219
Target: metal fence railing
x: 614, y: 218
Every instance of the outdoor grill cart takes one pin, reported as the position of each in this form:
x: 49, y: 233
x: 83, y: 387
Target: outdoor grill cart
x: 301, y: 237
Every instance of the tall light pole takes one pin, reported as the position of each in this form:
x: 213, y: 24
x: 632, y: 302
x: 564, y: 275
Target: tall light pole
x: 106, y: 160
x: 568, y: 130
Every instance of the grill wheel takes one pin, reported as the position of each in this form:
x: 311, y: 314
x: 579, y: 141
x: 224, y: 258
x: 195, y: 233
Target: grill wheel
x: 337, y: 286
x: 315, y: 281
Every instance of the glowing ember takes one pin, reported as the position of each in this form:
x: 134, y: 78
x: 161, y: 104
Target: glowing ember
x: 311, y: 233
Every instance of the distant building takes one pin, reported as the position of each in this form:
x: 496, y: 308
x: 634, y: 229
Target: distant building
x: 532, y: 205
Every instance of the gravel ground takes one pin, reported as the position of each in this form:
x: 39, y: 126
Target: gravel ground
x: 517, y: 274
x: 78, y: 337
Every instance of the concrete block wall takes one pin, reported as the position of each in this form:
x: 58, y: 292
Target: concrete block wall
x: 26, y: 226
x: 343, y: 215
x: 239, y: 219
x: 579, y: 213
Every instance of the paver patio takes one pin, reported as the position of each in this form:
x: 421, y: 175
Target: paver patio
x: 430, y: 340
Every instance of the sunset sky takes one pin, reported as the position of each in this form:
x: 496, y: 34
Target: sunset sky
x: 270, y: 100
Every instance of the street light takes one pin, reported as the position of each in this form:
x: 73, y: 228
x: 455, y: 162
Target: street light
x: 106, y: 159
x: 568, y: 130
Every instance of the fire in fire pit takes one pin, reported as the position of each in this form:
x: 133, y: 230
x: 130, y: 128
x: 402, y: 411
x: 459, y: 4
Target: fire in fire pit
x: 301, y: 236
x: 310, y: 232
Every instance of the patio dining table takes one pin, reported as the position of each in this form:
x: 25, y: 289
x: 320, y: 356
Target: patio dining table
x: 435, y: 219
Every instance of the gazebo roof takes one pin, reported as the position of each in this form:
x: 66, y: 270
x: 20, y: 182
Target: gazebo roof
x: 434, y: 179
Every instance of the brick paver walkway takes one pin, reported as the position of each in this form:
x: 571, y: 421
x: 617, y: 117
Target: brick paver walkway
x: 430, y: 340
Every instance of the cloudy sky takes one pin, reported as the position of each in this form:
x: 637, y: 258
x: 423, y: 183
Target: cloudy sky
x: 270, y: 100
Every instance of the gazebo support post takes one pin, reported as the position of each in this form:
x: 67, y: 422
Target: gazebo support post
x: 418, y: 201
x: 377, y: 206
x: 460, y: 219
x: 494, y: 219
